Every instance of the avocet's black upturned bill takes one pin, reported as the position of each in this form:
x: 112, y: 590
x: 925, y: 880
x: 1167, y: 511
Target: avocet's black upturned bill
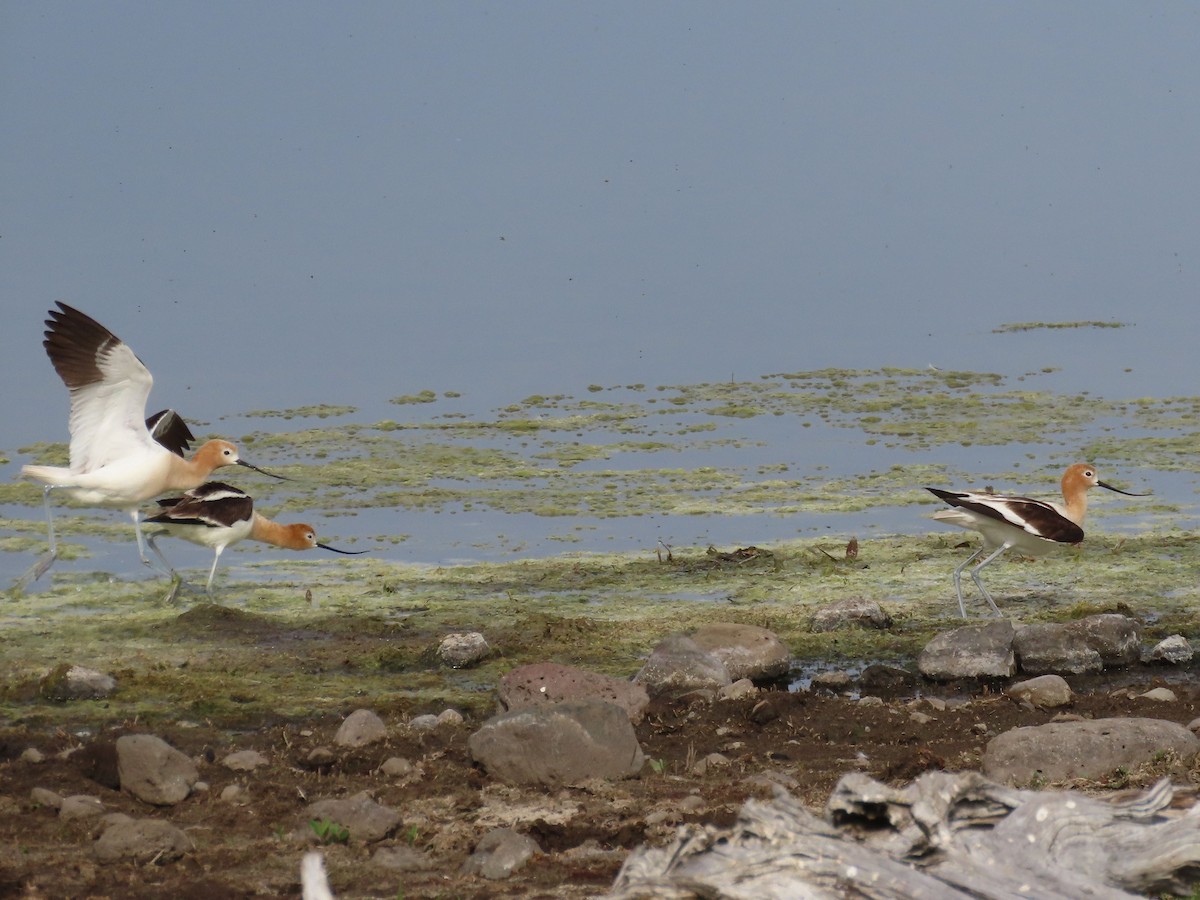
x: 217, y: 515
x: 1033, y: 527
x: 114, y: 460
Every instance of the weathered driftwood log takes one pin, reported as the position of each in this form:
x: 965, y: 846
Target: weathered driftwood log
x: 945, y: 835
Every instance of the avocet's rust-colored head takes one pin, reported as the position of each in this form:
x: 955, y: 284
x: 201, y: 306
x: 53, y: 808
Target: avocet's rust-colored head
x: 214, y: 454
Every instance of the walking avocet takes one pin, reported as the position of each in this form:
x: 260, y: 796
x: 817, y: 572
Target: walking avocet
x: 114, y: 460
x: 1032, y: 527
x: 217, y: 515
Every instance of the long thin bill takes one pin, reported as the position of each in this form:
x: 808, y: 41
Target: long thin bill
x: 347, y: 552
x: 242, y: 462
x: 1119, y: 491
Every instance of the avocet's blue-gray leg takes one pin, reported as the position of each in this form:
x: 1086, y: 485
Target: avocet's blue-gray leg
x: 136, y: 515
x: 979, y: 584
x: 962, y: 607
x: 176, y: 579
x: 50, y: 520
x: 170, y: 570
x: 42, y: 566
x: 213, y: 571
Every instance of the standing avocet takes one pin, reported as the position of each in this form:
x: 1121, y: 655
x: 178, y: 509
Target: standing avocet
x: 1032, y: 527
x: 114, y: 460
x: 217, y: 515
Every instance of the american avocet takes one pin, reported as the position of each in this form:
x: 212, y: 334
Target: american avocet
x: 217, y: 515
x: 114, y: 460
x: 1033, y: 527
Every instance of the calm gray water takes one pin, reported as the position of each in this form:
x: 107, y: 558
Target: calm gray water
x: 753, y: 449
x: 279, y: 207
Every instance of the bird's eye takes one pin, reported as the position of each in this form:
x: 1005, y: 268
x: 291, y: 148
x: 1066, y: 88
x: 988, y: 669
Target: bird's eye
x: 1089, y: 474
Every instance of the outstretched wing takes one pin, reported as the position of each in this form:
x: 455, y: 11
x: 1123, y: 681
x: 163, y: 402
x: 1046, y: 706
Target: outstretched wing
x: 108, y: 386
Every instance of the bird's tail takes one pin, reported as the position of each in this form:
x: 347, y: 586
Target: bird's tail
x: 53, y: 475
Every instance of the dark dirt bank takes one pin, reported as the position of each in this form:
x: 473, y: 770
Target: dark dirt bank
x: 251, y: 846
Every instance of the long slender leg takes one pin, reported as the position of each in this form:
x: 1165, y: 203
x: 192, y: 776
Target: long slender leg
x: 962, y: 607
x: 154, y: 546
x: 176, y: 578
x: 979, y: 584
x: 42, y: 566
x: 50, y: 521
x: 213, y: 571
x: 136, y: 515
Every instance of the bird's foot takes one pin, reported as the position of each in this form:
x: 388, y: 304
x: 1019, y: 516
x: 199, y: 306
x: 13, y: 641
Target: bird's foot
x: 33, y: 573
x: 178, y: 586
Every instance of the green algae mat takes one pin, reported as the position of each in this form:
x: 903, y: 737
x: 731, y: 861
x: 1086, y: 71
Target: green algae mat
x: 796, y: 464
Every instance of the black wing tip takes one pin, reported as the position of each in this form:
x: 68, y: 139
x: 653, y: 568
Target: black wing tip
x: 74, y: 341
x: 171, y: 431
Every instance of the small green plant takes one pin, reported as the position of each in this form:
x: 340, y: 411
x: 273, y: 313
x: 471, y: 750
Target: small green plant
x: 329, y: 832
x: 279, y: 831
x: 410, y: 835
x: 658, y: 765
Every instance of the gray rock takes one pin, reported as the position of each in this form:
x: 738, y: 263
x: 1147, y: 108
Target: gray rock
x: 360, y: 728
x: 1174, y: 649
x: 1159, y: 695
x: 402, y: 859
x: 740, y: 689
x: 1092, y: 749
x: 853, y: 611
x: 244, y: 761
x: 396, y: 767
x: 366, y: 820
x: 748, y: 651
x: 549, y: 682
x: 319, y: 756
x: 80, y: 806
x: 1044, y: 692
x: 701, y: 767
x: 832, y: 681
x: 142, y: 841
x: 558, y: 744
x: 499, y: 853
x: 426, y: 722
x: 1054, y: 648
x: 1117, y: 638
x: 46, y: 797
x: 461, y: 650
x: 879, y: 678
x: 153, y: 771
x: 68, y: 682
x: 678, y: 665
x: 449, y: 717
x: 970, y: 651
